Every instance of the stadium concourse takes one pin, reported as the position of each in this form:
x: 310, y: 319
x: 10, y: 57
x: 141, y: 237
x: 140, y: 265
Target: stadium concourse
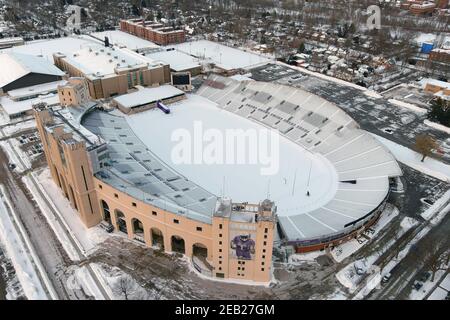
x: 363, y: 166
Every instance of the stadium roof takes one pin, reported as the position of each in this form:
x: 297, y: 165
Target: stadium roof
x: 17, y: 65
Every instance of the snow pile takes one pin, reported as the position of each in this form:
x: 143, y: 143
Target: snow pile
x: 299, y: 258
x: 82, y: 280
x: 408, y: 223
x: 373, y: 94
x: 119, y: 283
x: 409, y: 106
x: 437, y: 126
x: 441, y: 205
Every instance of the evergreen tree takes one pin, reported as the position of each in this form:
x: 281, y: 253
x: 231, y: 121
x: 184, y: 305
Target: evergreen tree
x: 440, y: 112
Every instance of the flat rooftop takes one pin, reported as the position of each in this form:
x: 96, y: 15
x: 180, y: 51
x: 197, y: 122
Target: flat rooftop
x: 224, y: 57
x: 100, y: 61
x: 13, y: 108
x: 148, y: 95
x: 50, y: 87
x: 179, y: 61
x: 120, y: 38
x: 46, y: 48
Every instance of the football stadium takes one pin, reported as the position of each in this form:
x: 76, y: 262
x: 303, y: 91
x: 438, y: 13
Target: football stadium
x: 114, y: 162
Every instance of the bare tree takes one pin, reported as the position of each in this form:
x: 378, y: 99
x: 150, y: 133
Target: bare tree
x: 439, y: 263
x: 425, y: 145
x: 128, y: 288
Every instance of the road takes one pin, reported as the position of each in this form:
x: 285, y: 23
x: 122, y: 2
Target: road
x: 45, y: 242
x: 415, y: 262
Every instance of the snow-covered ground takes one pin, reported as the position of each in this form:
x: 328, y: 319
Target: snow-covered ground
x: 12, y: 156
x: 111, y: 277
x: 20, y: 251
x: 430, y: 166
x: 81, y: 279
x: 347, y: 275
x: 299, y: 258
x: 13, y: 129
x: 86, y: 238
x: 409, y: 106
x: 352, y: 275
x: 441, y: 206
x: 427, y: 286
x: 350, y: 247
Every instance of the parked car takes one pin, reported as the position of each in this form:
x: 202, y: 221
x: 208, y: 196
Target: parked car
x: 386, y: 278
x: 425, y: 276
x: 108, y: 227
x: 417, y: 285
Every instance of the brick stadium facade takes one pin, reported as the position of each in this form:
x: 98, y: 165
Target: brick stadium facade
x: 154, y: 32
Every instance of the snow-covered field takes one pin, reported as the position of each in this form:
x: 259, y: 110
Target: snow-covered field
x: 287, y: 186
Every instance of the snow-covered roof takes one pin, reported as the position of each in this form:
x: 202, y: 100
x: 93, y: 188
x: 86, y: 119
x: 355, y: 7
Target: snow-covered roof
x: 434, y: 82
x: 99, y: 61
x: 147, y: 95
x: 178, y: 61
x: 16, y: 65
x: 46, y: 48
x: 12, y: 107
x: 224, y: 57
x: 35, y: 90
x: 120, y: 38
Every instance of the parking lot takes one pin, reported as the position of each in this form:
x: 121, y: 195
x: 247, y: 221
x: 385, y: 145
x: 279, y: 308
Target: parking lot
x: 410, y: 94
x: 373, y: 114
